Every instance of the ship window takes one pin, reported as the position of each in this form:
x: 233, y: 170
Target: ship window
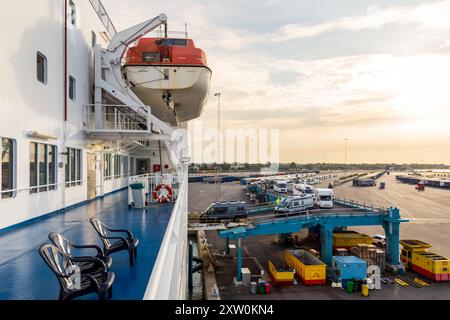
x: 7, y: 168
x: 72, y: 88
x: 172, y: 42
x: 41, y: 62
x: 42, y: 156
x: 42, y: 167
x: 33, y: 164
x: 151, y: 56
x: 126, y: 166
x: 118, y: 166
x: 73, y: 13
x: 73, y: 167
x: 94, y: 39
x: 107, y: 166
x: 51, y: 156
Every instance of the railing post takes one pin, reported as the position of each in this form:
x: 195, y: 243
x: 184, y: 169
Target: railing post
x: 149, y: 123
x: 239, y: 260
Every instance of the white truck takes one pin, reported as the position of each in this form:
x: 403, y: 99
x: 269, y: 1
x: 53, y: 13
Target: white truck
x: 280, y: 186
x: 323, y: 198
x: 295, y: 205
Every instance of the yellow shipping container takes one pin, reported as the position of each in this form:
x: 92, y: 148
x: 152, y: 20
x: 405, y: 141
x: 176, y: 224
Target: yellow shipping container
x: 416, y: 255
x: 280, y: 276
x: 348, y: 240
x: 431, y: 265
x: 309, y: 269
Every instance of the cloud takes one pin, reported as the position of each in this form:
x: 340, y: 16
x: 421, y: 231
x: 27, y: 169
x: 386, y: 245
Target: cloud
x: 270, y: 3
x: 369, y: 96
x: 433, y: 16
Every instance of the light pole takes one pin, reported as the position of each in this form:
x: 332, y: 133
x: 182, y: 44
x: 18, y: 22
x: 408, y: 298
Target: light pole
x: 420, y: 155
x: 346, y: 142
x: 218, y: 95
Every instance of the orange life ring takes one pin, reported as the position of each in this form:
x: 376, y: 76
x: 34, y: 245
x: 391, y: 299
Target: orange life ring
x: 163, y: 197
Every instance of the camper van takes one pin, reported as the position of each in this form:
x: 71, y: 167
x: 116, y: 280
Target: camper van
x: 323, y: 198
x: 295, y: 205
x: 280, y: 186
x: 224, y: 210
x: 301, y: 189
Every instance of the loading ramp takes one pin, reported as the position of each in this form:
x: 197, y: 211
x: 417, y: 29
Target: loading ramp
x: 326, y: 222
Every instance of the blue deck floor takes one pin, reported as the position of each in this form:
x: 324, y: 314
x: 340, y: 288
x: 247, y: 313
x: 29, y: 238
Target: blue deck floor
x: 24, y: 275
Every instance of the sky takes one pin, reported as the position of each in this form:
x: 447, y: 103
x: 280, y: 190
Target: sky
x: 374, y: 72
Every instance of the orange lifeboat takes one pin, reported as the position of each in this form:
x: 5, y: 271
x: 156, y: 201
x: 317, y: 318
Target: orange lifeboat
x: 170, y: 75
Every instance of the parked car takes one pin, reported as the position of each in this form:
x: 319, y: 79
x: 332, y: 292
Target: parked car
x: 420, y: 186
x: 379, y: 240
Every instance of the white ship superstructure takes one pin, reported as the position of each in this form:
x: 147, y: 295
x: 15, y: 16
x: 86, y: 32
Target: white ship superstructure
x: 72, y: 131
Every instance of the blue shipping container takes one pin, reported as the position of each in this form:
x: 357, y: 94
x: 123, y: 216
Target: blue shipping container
x: 349, y: 268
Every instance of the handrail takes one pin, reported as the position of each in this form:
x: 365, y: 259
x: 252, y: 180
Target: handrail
x: 17, y: 190
x: 116, y: 118
x: 354, y: 203
x: 167, y: 278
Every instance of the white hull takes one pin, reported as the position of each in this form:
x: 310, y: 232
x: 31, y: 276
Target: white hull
x: 189, y: 86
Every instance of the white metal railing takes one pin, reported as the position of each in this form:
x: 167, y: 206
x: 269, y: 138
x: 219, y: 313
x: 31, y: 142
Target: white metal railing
x: 47, y: 186
x: 118, y: 118
x: 167, y: 281
x: 150, y: 181
x: 104, y: 17
x: 358, y: 204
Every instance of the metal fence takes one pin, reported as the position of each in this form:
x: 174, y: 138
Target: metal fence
x: 115, y: 118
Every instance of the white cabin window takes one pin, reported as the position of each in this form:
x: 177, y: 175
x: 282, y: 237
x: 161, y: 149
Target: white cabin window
x: 126, y: 166
x: 72, y: 88
x: 107, y: 166
x: 7, y: 167
x: 73, y: 12
x: 93, y: 39
x: 43, y: 158
x: 41, y: 63
x: 118, y: 166
x: 73, y: 167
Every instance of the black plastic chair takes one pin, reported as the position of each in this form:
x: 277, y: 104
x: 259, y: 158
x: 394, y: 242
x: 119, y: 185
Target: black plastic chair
x: 100, y: 262
x: 64, y: 268
x: 106, y: 234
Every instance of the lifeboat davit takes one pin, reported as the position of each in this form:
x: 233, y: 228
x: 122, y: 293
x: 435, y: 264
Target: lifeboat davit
x: 169, y: 75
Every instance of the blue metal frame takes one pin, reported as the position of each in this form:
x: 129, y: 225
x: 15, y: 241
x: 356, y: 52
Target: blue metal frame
x: 327, y: 222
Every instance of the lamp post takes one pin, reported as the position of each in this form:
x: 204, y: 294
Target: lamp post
x: 346, y: 142
x: 218, y: 95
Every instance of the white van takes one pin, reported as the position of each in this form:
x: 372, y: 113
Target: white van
x: 280, y: 186
x: 295, y: 205
x: 324, y: 198
x: 290, y: 186
x: 301, y: 189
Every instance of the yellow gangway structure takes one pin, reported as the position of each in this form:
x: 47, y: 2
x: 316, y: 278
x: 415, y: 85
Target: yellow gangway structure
x: 309, y: 269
